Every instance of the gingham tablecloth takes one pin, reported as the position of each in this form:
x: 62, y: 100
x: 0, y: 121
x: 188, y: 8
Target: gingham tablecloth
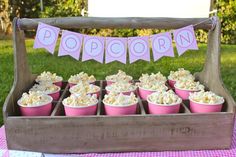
x: 201, y: 153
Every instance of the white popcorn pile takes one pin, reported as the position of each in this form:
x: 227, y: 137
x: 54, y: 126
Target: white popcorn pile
x: 34, y: 98
x: 158, y: 77
x: 120, y: 76
x: 45, y: 87
x: 121, y: 87
x: 206, y: 97
x: 179, y: 74
x: 81, y: 100
x: 47, y: 76
x: 84, y: 87
x: 164, y: 98
x: 82, y: 76
x: 188, y: 84
x: 153, y: 86
x: 118, y: 99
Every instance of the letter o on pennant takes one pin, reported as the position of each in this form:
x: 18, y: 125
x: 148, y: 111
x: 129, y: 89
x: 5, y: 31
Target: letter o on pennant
x: 138, y: 47
x: 71, y: 43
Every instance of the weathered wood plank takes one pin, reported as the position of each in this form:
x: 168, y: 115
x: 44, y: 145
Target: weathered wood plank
x: 114, y: 134
x: 128, y: 22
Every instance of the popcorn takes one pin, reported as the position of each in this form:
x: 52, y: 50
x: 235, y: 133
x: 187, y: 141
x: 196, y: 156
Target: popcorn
x: 84, y: 87
x: 82, y: 76
x: 120, y: 76
x: 121, y: 87
x: 48, y: 77
x: 154, y: 86
x: 81, y: 100
x: 34, y: 98
x: 206, y: 97
x: 188, y: 84
x: 45, y: 87
x: 181, y: 73
x: 164, y: 98
x: 158, y: 77
x: 118, y: 99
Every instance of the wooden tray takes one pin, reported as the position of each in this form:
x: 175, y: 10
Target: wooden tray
x: 101, y: 133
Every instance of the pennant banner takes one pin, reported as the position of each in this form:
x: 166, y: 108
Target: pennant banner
x: 46, y: 37
x: 162, y: 45
x: 116, y: 49
x: 185, y: 39
x: 93, y: 48
x: 138, y: 48
x: 70, y: 44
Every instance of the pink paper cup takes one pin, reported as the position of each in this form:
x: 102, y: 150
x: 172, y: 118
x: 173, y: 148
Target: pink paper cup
x: 109, y: 83
x: 144, y: 93
x: 120, y: 110
x: 59, y: 83
x: 80, y: 110
x: 196, y: 107
x: 171, y: 83
x: 71, y: 84
x: 55, y: 95
x: 40, y: 110
x: 184, y: 93
x: 155, y: 108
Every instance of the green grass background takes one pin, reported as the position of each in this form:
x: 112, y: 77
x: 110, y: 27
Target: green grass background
x: 40, y: 60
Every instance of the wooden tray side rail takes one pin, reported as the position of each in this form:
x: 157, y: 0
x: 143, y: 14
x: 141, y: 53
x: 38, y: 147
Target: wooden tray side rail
x: 60, y: 134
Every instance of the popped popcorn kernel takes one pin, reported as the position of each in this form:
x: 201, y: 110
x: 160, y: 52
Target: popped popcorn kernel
x: 84, y: 87
x: 154, y: 86
x: 164, y: 98
x: 45, y: 87
x: 121, y: 87
x: 120, y: 76
x: 206, y: 97
x: 119, y: 99
x: 179, y: 74
x: 158, y: 77
x: 81, y: 100
x: 34, y: 98
x: 189, y: 84
x: 81, y: 77
x: 47, y: 76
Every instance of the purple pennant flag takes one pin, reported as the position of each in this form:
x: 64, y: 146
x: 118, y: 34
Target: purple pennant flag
x: 46, y: 37
x: 138, y: 48
x: 116, y: 49
x: 162, y: 45
x: 185, y: 39
x: 70, y: 44
x: 93, y: 48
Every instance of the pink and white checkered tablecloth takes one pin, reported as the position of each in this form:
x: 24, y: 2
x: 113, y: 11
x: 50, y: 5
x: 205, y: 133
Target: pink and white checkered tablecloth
x: 200, y: 153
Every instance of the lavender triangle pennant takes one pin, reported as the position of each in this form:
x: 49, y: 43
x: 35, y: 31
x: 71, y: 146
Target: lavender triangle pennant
x: 116, y: 49
x: 162, y: 45
x: 46, y: 37
x: 71, y: 44
x: 93, y: 48
x: 185, y: 39
x: 138, y: 48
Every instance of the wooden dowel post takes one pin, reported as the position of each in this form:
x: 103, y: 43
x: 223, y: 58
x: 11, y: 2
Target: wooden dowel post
x: 128, y: 22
